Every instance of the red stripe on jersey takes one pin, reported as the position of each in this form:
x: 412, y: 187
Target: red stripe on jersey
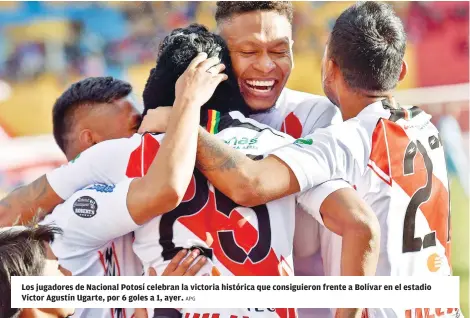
x: 436, y: 208
x: 380, y: 152
x: 365, y: 313
x: 286, y: 312
x: 116, y: 259
x: 206, y: 223
x: 292, y: 126
x: 141, y: 158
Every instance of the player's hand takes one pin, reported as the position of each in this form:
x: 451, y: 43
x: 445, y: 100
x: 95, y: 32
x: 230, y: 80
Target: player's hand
x: 155, y: 120
x: 178, y: 267
x: 197, y: 84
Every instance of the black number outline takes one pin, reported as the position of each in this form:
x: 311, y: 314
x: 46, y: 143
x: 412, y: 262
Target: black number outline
x: 224, y: 206
x: 422, y: 195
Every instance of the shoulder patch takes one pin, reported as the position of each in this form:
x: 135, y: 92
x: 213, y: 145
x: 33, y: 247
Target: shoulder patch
x: 85, y: 207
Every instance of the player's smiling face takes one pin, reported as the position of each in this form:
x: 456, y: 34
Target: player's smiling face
x: 260, y: 46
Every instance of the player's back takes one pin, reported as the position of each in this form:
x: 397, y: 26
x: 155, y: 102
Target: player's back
x: 407, y: 169
x: 237, y: 241
x: 395, y: 161
x: 394, y: 158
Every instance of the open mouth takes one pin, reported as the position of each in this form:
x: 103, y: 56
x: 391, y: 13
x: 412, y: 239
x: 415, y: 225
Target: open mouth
x: 260, y: 86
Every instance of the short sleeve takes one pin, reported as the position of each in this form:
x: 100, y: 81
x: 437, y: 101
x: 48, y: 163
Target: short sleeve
x: 312, y: 199
x: 337, y: 152
x: 94, y: 215
x: 105, y: 162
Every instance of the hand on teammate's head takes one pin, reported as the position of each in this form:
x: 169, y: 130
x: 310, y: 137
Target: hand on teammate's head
x: 198, y: 83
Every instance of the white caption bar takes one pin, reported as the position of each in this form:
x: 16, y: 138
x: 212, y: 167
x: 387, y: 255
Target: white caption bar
x: 235, y: 292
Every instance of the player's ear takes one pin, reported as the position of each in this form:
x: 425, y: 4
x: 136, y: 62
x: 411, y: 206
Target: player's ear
x: 292, y: 53
x: 86, y: 139
x: 404, y: 70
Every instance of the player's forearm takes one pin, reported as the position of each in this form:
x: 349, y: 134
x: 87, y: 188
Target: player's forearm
x: 360, y: 251
x: 348, y: 313
x: 168, y: 177
x: 28, y: 203
x: 245, y: 181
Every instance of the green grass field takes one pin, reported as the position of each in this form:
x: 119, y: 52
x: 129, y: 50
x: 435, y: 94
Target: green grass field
x: 460, y: 241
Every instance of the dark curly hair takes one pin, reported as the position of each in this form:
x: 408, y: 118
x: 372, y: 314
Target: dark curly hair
x: 176, y: 51
x: 225, y: 9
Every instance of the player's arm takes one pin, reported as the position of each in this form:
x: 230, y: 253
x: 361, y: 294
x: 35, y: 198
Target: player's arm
x: 164, y: 185
x: 245, y: 181
x: 335, y: 152
x: 27, y: 202
x: 337, y: 206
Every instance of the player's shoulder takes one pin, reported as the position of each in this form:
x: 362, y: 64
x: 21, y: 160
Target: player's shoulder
x: 313, y: 111
x: 235, y: 119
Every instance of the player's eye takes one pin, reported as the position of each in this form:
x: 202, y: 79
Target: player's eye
x: 247, y: 53
x: 283, y: 52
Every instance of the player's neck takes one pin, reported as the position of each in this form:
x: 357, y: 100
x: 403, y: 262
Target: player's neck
x: 354, y: 102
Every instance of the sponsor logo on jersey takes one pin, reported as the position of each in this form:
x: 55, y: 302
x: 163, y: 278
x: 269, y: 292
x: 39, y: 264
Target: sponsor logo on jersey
x: 242, y: 143
x: 105, y: 188
x: 303, y: 141
x: 85, y: 207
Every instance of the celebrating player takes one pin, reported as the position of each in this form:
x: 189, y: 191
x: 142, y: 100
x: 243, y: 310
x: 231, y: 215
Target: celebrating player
x: 211, y: 227
x: 392, y: 155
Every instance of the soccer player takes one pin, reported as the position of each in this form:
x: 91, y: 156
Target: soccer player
x: 24, y: 253
x: 206, y: 219
x: 391, y: 155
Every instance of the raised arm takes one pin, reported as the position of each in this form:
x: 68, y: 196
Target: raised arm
x: 103, y: 162
x: 164, y: 185
x: 247, y: 182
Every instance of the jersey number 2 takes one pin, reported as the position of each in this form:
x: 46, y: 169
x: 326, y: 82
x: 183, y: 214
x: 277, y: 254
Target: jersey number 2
x: 410, y: 242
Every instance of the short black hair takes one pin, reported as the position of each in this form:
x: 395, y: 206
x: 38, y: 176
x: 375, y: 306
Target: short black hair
x: 89, y: 91
x: 176, y: 51
x: 368, y: 44
x: 23, y: 253
x: 226, y: 9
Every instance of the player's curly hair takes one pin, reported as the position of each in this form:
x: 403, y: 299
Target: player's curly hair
x: 176, y: 51
x: 226, y: 9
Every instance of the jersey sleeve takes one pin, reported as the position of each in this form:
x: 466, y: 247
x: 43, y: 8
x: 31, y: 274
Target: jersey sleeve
x: 330, y: 115
x: 312, y: 199
x: 94, y: 215
x: 103, y: 163
x: 337, y: 152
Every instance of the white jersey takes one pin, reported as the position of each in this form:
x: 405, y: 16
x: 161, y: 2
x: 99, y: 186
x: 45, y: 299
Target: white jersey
x: 299, y: 114
x: 96, y: 239
x: 237, y: 241
x: 395, y: 161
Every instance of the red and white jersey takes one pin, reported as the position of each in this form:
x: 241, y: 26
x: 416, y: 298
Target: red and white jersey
x: 238, y: 241
x: 97, y: 238
x: 395, y: 160
x: 299, y: 114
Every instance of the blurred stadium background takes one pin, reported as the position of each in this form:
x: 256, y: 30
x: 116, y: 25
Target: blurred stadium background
x: 44, y: 46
